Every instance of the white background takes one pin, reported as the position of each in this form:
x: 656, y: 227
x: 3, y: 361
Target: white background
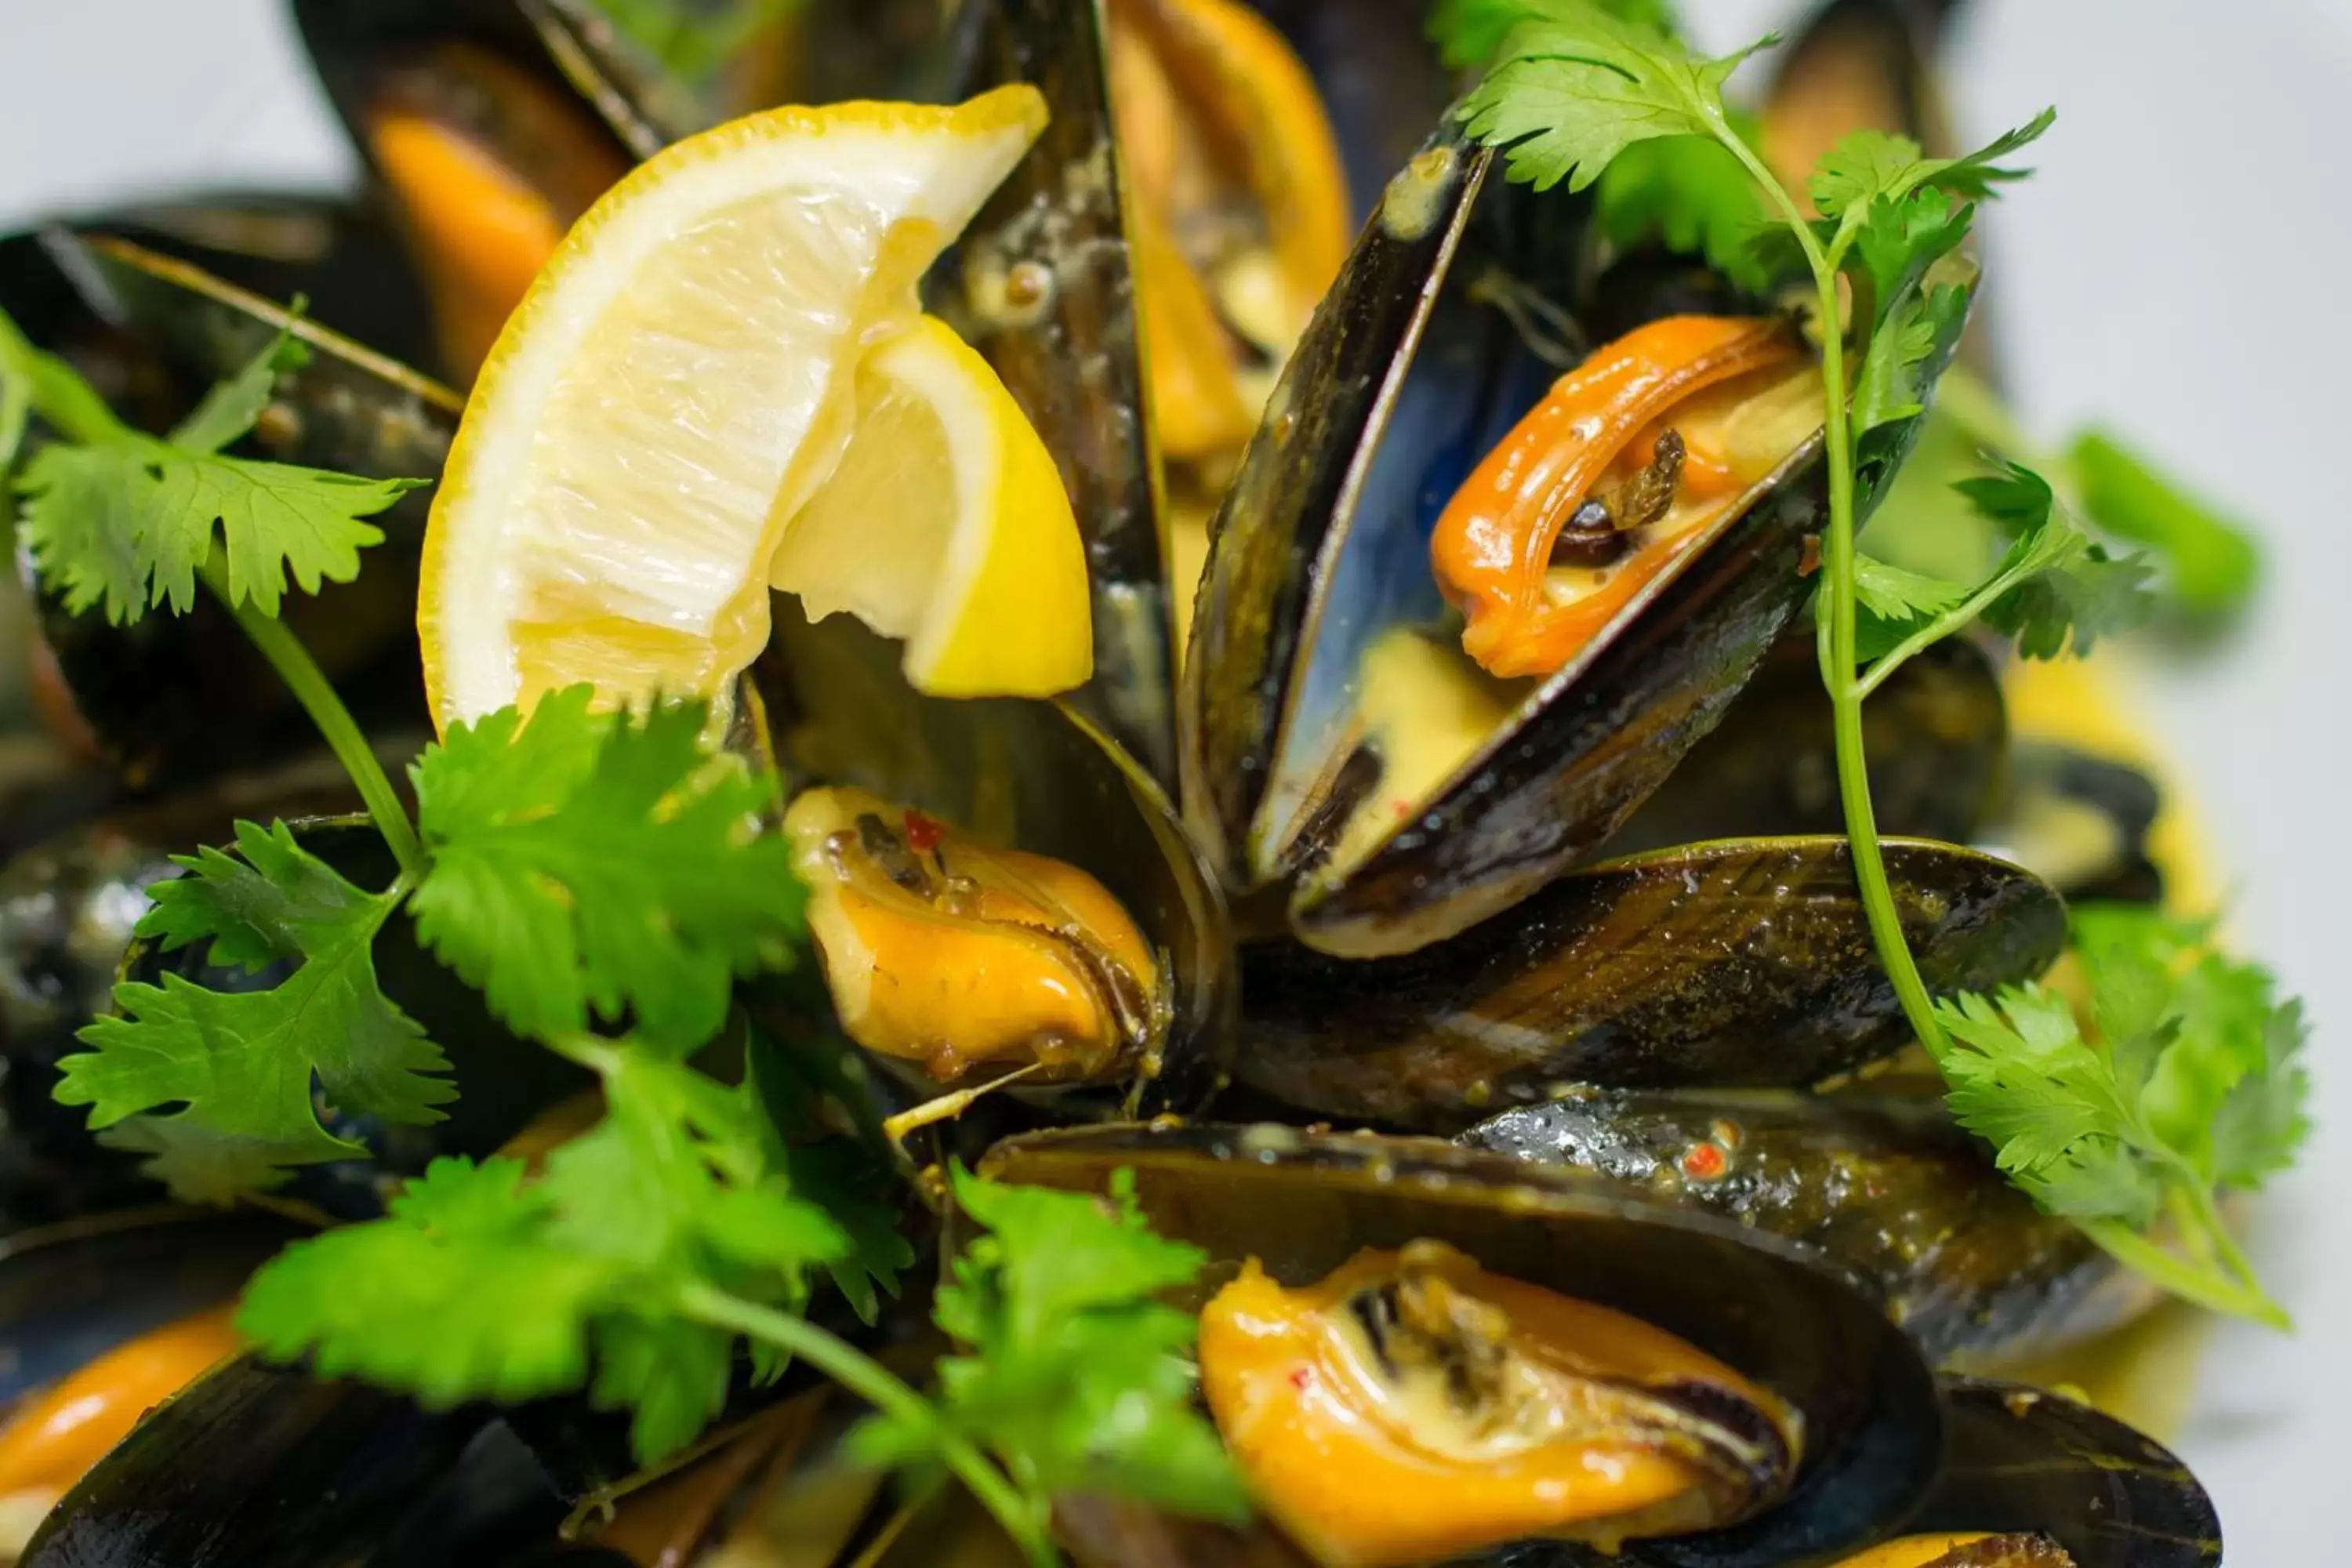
x: 2176, y: 269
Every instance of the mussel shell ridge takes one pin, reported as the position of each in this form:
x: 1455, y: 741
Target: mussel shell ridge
x: 1887, y: 1186
x: 2021, y: 1461
x: 1746, y: 964
x: 1304, y: 1202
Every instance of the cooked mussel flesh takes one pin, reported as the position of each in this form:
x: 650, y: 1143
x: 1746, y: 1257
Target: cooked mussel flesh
x: 105, y: 1317
x: 946, y: 953
x: 489, y: 149
x: 1422, y: 457
x: 996, y: 886
x: 1415, y: 1351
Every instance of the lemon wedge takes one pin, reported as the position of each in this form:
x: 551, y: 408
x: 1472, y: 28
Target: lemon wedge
x: 680, y: 380
x: 947, y: 482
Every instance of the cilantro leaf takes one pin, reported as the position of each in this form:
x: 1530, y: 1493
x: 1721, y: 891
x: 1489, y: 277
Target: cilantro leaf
x: 1891, y: 602
x: 1470, y: 31
x: 2053, y: 589
x: 2212, y: 562
x: 2067, y: 592
x: 588, y: 864
x: 1074, y: 1372
x: 2192, y: 1081
x: 125, y: 521
x: 1892, y: 386
x: 694, y: 40
x: 240, y: 1064
x: 1869, y: 167
x: 1688, y: 191
x: 1578, y: 86
x: 232, y: 406
x: 483, y: 1281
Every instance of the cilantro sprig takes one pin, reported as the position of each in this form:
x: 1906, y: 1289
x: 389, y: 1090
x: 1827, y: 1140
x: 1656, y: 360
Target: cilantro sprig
x: 2100, y: 1129
x: 130, y: 522
x: 584, y: 870
x: 1075, y: 1370
x: 2189, y: 1083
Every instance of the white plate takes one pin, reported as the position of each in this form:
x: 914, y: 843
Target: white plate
x: 2178, y: 270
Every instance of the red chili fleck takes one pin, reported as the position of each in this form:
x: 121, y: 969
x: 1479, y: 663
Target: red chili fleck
x: 1810, y: 560
x: 1300, y: 1377
x: 1704, y: 1163
x: 923, y: 833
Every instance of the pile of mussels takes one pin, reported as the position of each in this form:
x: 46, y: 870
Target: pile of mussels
x: 1476, y: 976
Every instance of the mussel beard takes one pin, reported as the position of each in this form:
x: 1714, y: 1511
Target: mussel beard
x: 1410, y: 1406
x: 944, y: 952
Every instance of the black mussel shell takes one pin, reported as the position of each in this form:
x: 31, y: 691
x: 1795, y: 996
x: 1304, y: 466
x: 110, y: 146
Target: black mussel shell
x: 1883, y: 1185
x: 175, y: 700
x: 253, y: 1466
x: 352, y: 43
x: 1403, y: 379
x: 1048, y: 293
x: 1736, y: 964
x: 1303, y: 1203
x: 1030, y: 773
x: 1048, y: 297
x: 2019, y: 1461
x: 70, y: 1292
x: 2082, y: 821
x: 1938, y: 735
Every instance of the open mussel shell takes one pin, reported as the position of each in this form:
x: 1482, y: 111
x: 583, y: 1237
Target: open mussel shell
x: 1882, y: 1183
x: 174, y: 700
x: 2019, y: 1461
x: 1408, y: 375
x: 1735, y: 964
x: 1937, y: 734
x: 253, y: 1466
x: 1302, y: 1204
x: 1048, y: 293
x: 2080, y: 820
x: 1031, y: 776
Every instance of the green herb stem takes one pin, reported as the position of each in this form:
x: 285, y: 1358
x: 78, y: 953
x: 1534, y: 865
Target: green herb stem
x: 312, y: 688
x: 873, y: 1383
x: 2206, y: 1287
x: 37, y: 382
x: 1837, y: 628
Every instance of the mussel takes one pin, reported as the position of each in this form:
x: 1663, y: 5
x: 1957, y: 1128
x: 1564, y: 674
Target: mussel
x: 174, y: 699
x: 104, y: 1317
x: 1413, y: 1351
x: 1881, y: 1181
x: 1140, y: 279
x: 2032, y: 1480
x: 492, y: 130
x: 996, y: 886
